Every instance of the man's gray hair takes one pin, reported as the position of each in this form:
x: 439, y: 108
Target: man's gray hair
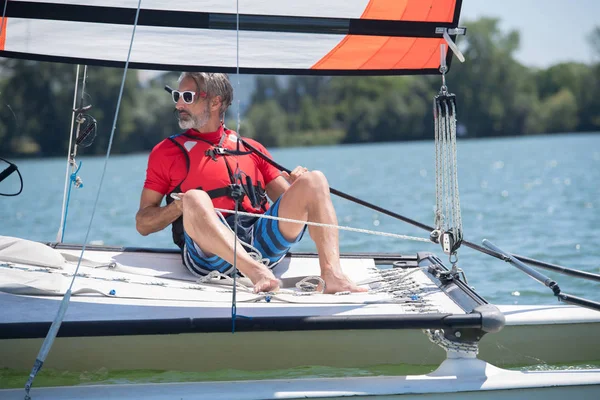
x: 214, y: 84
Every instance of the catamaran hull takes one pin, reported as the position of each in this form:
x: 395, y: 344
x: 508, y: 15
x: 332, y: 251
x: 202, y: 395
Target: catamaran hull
x: 454, y: 379
x: 140, y: 309
x: 205, y: 352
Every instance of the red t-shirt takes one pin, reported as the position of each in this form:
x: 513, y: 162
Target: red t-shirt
x: 167, y: 164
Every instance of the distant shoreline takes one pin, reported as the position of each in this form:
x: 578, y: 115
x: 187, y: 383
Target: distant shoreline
x: 464, y: 138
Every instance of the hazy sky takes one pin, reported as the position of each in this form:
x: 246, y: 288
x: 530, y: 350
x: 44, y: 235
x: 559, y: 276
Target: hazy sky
x: 552, y: 31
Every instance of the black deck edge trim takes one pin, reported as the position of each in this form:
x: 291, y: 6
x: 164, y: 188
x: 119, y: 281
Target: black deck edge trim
x: 492, y: 319
x: 229, y: 70
x: 457, y: 290
x: 378, y: 257
x: 37, y: 330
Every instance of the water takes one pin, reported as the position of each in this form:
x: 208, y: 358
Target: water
x: 533, y: 196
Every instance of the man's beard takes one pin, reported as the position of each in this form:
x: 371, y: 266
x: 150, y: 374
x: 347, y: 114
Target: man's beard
x: 189, y: 121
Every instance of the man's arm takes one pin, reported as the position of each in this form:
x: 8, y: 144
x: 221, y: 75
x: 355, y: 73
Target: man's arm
x: 277, y: 187
x: 151, y: 217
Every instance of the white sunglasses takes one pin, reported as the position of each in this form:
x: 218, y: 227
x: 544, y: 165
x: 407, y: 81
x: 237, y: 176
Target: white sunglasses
x: 188, y: 96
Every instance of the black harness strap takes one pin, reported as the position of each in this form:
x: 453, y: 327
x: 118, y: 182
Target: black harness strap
x: 187, y: 167
x: 255, y: 193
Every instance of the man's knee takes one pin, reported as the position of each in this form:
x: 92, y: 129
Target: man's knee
x: 314, y: 180
x: 197, y: 201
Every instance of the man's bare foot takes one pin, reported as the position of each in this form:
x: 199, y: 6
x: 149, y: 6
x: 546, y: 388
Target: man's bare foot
x: 267, y: 284
x: 338, y: 282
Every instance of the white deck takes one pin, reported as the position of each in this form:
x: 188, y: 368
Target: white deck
x: 152, y: 286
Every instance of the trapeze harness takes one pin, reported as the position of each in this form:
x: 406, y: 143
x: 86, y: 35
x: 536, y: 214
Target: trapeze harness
x: 207, y: 175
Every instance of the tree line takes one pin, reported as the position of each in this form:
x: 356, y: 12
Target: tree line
x: 496, y: 96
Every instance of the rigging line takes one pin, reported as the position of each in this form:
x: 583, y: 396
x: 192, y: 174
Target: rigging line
x: 53, y: 331
x: 340, y: 227
x: 59, y: 235
x: 71, y: 160
x: 80, y: 109
x: 342, y: 194
x: 537, y: 263
x: 237, y: 167
x: 3, y: 17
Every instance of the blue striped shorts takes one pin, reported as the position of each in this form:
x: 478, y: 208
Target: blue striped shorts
x: 266, y: 238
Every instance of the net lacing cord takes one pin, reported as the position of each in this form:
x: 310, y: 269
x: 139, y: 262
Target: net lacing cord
x: 398, y: 283
x: 436, y: 336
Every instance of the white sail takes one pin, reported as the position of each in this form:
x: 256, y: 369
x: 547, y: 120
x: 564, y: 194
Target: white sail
x: 269, y: 36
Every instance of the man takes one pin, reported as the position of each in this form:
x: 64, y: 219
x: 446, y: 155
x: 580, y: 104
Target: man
x: 197, y: 171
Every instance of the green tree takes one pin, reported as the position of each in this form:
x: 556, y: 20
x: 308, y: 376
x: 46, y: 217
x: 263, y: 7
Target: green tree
x: 496, y: 92
x: 33, y: 100
x: 574, y: 79
x: 154, y: 115
x: 594, y: 40
x: 590, y: 109
x: 38, y: 99
x: 308, y: 115
x: 102, y: 89
x: 267, y: 88
x: 268, y: 122
x: 558, y: 113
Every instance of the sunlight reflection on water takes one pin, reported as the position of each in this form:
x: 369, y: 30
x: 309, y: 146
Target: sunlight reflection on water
x: 532, y: 196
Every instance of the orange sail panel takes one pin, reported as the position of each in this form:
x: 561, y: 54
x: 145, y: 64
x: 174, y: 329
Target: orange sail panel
x: 355, y: 52
x: 3, y: 23
x: 384, y: 37
x: 383, y: 53
x: 410, y: 10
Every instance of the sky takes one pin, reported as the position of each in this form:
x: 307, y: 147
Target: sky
x: 552, y: 31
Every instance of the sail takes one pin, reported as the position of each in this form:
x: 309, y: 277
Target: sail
x: 333, y: 37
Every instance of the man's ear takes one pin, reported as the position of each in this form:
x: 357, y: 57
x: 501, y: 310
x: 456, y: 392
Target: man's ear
x: 215, y: 102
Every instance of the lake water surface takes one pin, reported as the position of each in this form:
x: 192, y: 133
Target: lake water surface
x: 534, y: 196
x: 538, y: 197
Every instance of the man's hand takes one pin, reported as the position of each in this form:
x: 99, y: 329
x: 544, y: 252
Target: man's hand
x: 296, y: 173
x: 267, y: 284
x: 263, y: 279
x: 152, y: 217
x: 178, y: 197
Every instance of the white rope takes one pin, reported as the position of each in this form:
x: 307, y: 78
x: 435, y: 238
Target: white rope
x: 306, y: 285
x: 447, y: 213
x: 457, y: 213
x: 64, y: 304
x: 343, y: 228
x: 215, y: 276
x: 438, y: 222
x: 252, y: 251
